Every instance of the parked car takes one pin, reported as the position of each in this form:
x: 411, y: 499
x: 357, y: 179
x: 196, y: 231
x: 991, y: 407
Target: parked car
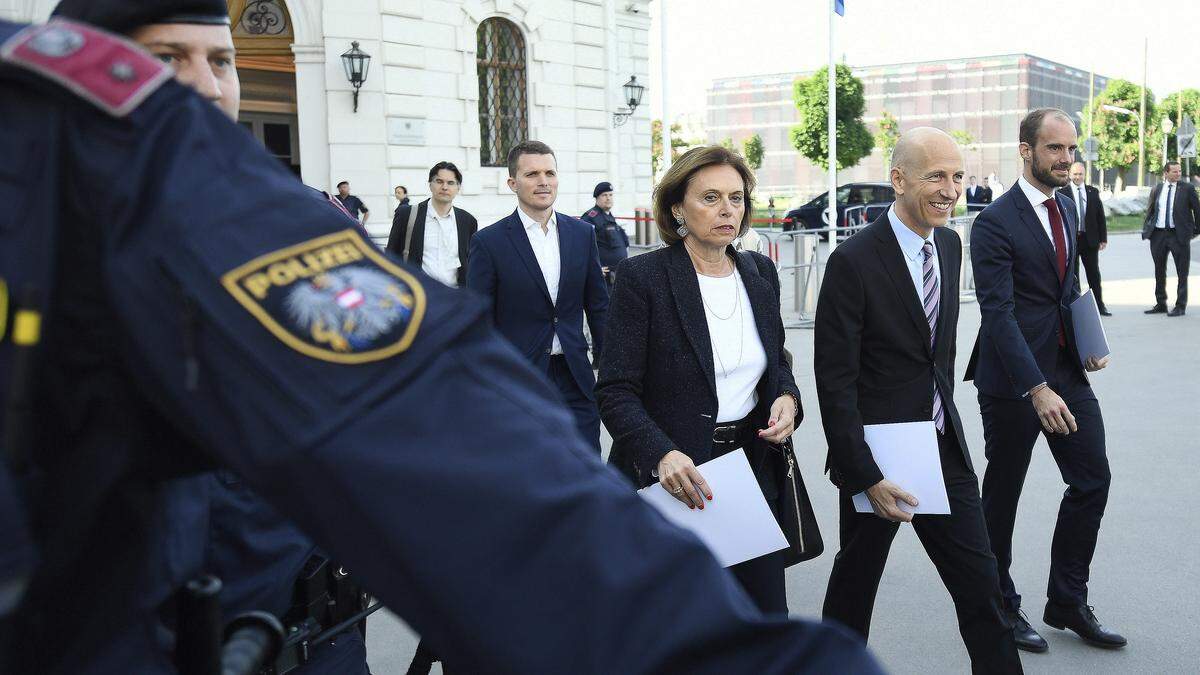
x: 857, y: 203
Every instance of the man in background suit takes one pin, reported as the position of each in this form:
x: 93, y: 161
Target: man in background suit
x: 1170, y: 225
x: 541, y: 272
x: 985, y: 192
x: 884, y: 352
x: 1030, y: 379
x: 1093, y: 230
x: 974, y: 192
x: 441, y: 235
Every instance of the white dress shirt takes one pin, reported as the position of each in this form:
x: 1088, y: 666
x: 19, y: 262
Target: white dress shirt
x: 1080, y: 193
x: 1036, y: 198
x: 549, y: 258
x: 439, y: 259
x: 1163, y: 206
x: 911, y: 244
x: 739, y: 359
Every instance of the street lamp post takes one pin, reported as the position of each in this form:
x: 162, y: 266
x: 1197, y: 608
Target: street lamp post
x: 1141, y: 139
x: 1167, y: 125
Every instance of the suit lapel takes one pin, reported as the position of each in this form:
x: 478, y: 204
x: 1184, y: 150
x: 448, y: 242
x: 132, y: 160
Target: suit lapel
x: 686, y: 291
x: 565, y: 270
x: 464, y: 236
x: 1031, y: 221
x: 520, y: 242
x: 1072, y: 234
x: 888, y: 248
x: 949, y: 282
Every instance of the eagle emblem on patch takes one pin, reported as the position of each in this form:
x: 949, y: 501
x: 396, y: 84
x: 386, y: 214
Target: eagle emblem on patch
x: 334, y: 298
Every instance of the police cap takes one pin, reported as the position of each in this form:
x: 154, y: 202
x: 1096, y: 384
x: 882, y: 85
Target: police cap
x: 123, y: 16
x: 601, y: 188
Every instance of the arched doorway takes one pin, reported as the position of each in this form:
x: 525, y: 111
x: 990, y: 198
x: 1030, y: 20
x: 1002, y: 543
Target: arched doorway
x: 263, y: 36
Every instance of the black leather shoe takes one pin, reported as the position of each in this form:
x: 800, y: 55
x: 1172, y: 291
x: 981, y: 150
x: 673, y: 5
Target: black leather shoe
x: 1104, y: 312
x: 1026, y: 637
x: 1084, y: 623
x: 1178, y: 311
x: 1157, y: 309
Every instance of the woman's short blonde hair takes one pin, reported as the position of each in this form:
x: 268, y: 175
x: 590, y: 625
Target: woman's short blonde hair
x: 671, y: 190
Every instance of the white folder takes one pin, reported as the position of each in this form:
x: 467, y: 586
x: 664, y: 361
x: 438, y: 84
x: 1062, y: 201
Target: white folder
x: 907, y: 454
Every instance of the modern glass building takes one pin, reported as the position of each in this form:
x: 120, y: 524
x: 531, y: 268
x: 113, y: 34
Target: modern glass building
x: 985, y: 97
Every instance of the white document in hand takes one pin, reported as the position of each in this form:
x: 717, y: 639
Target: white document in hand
x: 737, y: 525
x: 907, y: 454
x: 1090, y: 339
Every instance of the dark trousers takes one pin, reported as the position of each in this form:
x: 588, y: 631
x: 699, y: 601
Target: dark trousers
x: 1090, y: 257
x: 1161, y: 243
x: 1011, y: 427
x: 587, y: 415
x: 958, y: 546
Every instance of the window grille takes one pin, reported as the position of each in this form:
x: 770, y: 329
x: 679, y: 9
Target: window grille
x: 500, y: 63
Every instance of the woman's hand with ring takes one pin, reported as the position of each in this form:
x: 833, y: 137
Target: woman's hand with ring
x: 679, y: 476
x: 782, y: 421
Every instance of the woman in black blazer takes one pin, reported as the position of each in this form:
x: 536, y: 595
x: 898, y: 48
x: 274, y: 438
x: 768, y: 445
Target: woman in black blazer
x: 694, y: 366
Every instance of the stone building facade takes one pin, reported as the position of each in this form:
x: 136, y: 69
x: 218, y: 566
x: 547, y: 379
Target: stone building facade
x: 551, y: 70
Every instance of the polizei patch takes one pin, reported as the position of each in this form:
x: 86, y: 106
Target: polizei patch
x: 334, y: 298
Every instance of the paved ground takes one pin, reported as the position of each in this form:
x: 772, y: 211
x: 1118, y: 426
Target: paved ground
x: 1146, y: 576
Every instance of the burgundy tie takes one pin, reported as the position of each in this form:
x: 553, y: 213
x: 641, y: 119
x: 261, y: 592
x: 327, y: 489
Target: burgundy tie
x: 1060, y: 255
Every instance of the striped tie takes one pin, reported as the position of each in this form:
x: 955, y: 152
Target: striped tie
x: 932, y: 296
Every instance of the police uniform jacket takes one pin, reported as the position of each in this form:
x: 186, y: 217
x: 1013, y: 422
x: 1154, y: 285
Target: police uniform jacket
x: 611, y: 238
x: 264, y: 333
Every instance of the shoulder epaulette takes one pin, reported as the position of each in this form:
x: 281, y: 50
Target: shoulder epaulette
x: 106, y: 70
x: 591, y: 214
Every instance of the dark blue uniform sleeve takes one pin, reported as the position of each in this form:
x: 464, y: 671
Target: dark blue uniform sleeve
x: 383, y: 414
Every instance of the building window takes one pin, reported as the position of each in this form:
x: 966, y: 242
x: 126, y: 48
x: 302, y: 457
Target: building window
x: 500, y: 63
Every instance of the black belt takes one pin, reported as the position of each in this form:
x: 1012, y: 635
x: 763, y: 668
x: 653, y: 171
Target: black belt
x: 733, y: 433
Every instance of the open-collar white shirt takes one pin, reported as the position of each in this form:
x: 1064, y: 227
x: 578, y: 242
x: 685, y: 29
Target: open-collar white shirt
x: 440, y: 256
x: 545, y: 250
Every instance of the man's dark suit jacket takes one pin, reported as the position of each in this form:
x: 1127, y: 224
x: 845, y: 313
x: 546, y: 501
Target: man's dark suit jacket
x: 501, y: 266
x: 1185, y: 217
x: 872, y: 357
x: 657, y: 389
x: 1020, y: 297
x: 1095, y: 225
x: 467, y: 227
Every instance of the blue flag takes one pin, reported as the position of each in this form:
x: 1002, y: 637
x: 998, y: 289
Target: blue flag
x: 839, y: 6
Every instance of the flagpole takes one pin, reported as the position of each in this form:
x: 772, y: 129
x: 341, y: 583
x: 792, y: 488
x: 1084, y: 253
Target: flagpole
x: 832, y: 129
x: 665, y: 163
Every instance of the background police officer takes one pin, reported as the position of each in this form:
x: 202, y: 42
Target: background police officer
x: 327, y: 375
x: 611, y: 238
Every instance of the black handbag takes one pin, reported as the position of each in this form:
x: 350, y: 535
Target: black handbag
x: 796, y: 516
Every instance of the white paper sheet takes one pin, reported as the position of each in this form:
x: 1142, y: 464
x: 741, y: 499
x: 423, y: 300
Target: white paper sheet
x: 907, y: 454
x: 1090, y: 339
x: 737, y: 525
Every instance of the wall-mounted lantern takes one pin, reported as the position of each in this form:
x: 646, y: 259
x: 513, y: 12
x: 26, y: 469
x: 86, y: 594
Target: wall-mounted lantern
x: 356, y: 62
x: 633, y: 95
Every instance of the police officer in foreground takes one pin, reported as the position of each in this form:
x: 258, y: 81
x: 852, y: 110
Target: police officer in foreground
x: 611, y: 238
x: 159, y: 335
x: 217, y: 524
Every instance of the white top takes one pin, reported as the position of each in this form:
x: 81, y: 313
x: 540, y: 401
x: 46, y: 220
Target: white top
x: 549, y: 259
x: 739, y: 359
x: 1036, y: 198
x: 911, y: 244
x: 440, y: 256
x: 1080, y: 194
x: 1161, y: 224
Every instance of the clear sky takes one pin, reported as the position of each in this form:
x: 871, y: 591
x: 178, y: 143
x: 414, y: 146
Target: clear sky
x: 710, y: 39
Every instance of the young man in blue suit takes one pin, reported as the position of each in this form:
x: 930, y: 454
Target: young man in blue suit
x: 540, y: 271
x: 1030, y: 379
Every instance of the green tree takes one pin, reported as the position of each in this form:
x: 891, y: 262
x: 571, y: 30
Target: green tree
x: 964, y: 139
x: 752, y: 150
x: 887, y: 135
x: 1117, y: 133
x: 811, y: 136
x: 727, y: 143
x: 678, y: 144
x: 1170, y: 108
